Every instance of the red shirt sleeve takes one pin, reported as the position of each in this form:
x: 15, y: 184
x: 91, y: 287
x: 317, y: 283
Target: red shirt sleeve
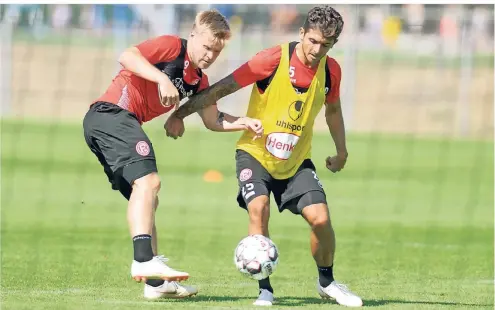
x: 335, y: 77
x: 204, y: 83
x: 159, y: 49
x: 259, y: 67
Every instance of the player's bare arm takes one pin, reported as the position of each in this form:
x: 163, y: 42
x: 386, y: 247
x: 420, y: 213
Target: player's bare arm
x: 174, y: 125
x: 335, y: 122
x: 134, y: 61
x: 208, y: 97
x: 216, y: 120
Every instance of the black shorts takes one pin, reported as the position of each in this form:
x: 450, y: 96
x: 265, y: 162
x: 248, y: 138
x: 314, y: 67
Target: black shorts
x: 295, y: 193
x: 124, y: 150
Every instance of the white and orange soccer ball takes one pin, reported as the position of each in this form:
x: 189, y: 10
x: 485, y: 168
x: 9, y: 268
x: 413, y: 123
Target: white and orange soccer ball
x: 256, y: 256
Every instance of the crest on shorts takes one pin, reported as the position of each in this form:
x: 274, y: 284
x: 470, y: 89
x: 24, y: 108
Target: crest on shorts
x: 245, y: 174
x: 142, y: 148
x: 296, y: 109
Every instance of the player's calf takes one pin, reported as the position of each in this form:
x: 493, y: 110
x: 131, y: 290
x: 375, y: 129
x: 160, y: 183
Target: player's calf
x: 140, y: 212
x: 322, y: 240
x: 140, y: 215
x: 259, y: 216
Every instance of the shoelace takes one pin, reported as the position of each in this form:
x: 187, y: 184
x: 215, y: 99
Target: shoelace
x: 343, y: 288
x: 175, y: 284
x: 162, y: 258
x: 166, y: 286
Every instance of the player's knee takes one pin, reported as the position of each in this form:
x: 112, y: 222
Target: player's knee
x: 150, y: 182
x: 321, y: 222
x: 318, y: 216
x: 259, y: 208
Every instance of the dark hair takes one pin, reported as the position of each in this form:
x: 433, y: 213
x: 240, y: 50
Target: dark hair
x: 326, y: 19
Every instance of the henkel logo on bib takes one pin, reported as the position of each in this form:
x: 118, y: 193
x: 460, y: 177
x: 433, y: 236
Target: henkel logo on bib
x: 281, y: 144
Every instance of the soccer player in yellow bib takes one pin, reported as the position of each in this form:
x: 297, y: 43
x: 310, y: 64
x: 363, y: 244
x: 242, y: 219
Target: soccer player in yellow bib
x: 292, y: 82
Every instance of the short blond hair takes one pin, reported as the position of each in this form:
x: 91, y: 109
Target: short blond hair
x: 213, y: 21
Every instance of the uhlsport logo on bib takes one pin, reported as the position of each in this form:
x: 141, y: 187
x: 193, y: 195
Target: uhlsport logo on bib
x: 281, y: 144
x: 296, y: 109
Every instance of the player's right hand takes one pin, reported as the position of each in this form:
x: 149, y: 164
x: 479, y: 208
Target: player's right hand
x: 336, y: 163
x: 174, y: 126
x: 168, y: 94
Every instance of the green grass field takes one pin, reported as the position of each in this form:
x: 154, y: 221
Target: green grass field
x: 413, y: 218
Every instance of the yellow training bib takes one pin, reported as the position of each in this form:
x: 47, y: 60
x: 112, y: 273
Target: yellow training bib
x: 287, y: 118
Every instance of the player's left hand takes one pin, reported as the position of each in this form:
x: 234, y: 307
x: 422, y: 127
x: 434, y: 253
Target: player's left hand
x: 255, y: 126
x: 174, y: 126
x: 336, y: 163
